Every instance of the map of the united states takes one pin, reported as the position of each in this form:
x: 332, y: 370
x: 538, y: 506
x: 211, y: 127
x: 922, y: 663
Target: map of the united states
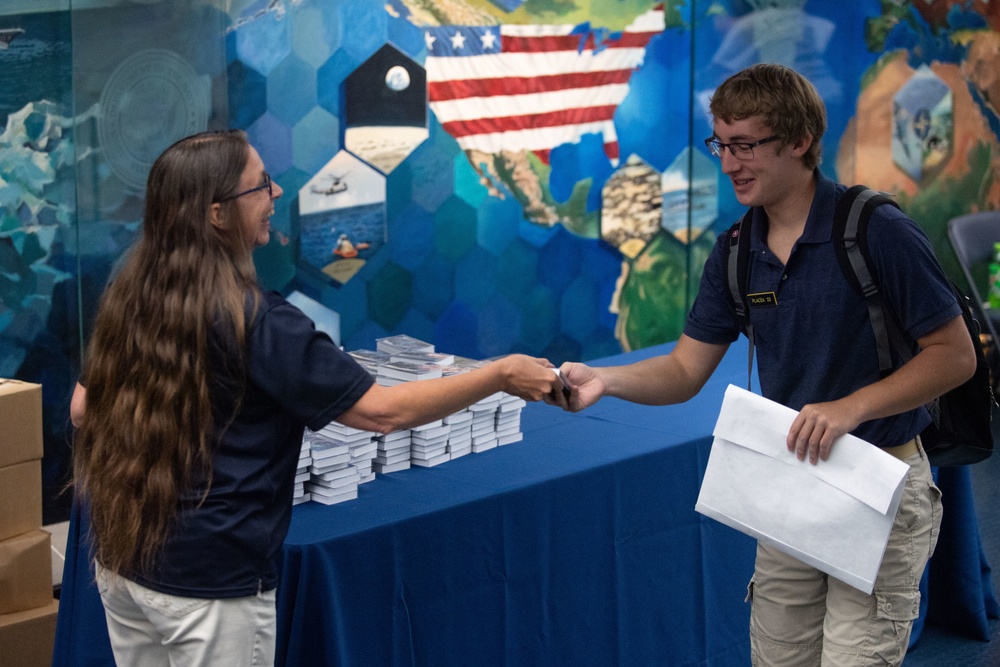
x: 511, y: 93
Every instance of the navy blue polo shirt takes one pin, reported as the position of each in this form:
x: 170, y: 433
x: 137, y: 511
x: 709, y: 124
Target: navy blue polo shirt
x: 226, y: 546
x: 816, y: 344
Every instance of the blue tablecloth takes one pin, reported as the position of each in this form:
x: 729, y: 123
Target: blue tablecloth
x: 578, y: 546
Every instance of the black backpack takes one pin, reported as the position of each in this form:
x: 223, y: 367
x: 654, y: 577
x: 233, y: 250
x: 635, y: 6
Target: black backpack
x: 961, y: 432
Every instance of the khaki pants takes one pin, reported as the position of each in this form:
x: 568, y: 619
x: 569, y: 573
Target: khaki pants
x: 800, y: 616
x: 148, y: 628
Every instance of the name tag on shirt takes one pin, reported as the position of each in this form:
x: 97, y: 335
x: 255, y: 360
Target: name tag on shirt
x: 762, y: 299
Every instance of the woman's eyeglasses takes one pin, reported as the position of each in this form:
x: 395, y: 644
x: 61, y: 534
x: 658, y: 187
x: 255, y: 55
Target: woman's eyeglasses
x: 266, y: 185
x: 740, y: 149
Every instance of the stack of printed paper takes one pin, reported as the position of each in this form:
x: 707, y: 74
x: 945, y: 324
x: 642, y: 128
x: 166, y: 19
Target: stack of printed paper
x: 402, y: 343
x: 508, y: 419
x: 363, y: 455
x: 332, y: 477
x: 484, y: 423
x: 361, y: 443
x: 429, y: 444
x: 459, y: 434
x: 424, y: 358
x: 370, y: 360
x: 393, y: 452
x: 302, y: 474
x: 393, y: 372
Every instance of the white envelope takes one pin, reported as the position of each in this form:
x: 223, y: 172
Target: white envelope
x: 835, y: 516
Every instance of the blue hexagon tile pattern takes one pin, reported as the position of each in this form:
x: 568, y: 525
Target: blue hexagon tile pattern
x: 459, y: 260
x: 495, y: 229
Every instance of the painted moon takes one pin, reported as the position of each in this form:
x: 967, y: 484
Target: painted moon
x: 397, y: 78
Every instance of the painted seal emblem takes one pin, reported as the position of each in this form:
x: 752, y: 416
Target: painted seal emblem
x: 151, y: 100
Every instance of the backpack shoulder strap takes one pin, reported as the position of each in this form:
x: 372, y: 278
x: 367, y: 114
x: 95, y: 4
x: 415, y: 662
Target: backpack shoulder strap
x: 737, y: 266
x: 850, y: 227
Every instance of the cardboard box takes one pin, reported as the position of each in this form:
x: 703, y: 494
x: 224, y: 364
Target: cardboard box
x: 60, y: 536
x: 25, y: 571
x: 20, y: 498
x: 27, y: 638
x: 21, y: 416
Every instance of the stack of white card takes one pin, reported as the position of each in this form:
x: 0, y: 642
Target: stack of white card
x: 363, y: 458
x: 425, y: 358
x: 302, y: 474
x: 402, y: 343
x: 459, y: 434
x: 508, y: 419
x: 392, y: 452
x: 332, y: 477
x: 493, y: 421
x: 362, y: 447
x: 370, y: 360
x: 429, y: 444
x: 394, y: 372
x: 484, y: 426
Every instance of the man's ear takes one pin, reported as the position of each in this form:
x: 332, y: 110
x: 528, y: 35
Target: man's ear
x: 802, y: 144
x: 215, y: 216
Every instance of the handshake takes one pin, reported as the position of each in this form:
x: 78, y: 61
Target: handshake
x: 572, y: 387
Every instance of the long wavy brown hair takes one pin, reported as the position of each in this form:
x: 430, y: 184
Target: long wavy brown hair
x: 148, y: 430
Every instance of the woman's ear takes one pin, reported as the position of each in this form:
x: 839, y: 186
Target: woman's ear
x: 215, y: 216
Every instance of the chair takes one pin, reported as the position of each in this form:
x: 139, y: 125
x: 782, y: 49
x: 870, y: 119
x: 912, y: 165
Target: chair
x: 972, y: 236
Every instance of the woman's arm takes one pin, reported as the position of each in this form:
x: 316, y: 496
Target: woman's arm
x: 387, y: 409
x: 78, y: 405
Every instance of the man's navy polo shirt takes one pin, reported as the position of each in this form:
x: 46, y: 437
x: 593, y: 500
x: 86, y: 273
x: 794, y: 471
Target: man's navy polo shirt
x: 816, y: 343
x: 226, y: 546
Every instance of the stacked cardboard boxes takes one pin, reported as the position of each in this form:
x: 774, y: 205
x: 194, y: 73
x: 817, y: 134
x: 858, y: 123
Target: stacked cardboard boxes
x: 27, y: 610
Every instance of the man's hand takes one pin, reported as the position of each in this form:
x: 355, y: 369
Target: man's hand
x: 584, y: 386
x: 817, y: 426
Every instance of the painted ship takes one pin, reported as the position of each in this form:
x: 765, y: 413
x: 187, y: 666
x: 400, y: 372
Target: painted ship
x: 7, y: 36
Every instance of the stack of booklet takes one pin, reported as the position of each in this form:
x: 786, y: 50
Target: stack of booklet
x: 401, y: 343
x: 393, y: 452
x: 422, y: 357
x: 508, y: 419
x: 484, y: 422
x: 459, y: 433
x: 429, y: 444
x: 395, y: 372
x: 370, y: 359
x: 302, y: 474
x: 363, y: 458
x: 338, y: 458
x: 341, y: 460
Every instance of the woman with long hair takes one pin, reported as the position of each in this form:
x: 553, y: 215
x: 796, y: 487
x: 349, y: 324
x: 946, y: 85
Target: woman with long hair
x: 191, y: 410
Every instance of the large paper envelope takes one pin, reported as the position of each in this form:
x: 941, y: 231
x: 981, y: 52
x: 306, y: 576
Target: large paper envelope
x: 835, y: 516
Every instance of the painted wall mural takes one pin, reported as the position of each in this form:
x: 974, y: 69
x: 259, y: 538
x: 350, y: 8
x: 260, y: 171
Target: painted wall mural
x: 494, y: 176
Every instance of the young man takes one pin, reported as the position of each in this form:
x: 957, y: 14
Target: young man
x: 816, y: 353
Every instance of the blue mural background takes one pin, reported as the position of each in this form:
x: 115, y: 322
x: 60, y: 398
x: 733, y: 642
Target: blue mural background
x: 473, y: 272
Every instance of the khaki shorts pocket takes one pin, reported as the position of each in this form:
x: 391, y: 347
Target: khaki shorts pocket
x: 901, y: 605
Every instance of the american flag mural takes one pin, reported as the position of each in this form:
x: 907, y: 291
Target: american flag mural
x: 533, y: 87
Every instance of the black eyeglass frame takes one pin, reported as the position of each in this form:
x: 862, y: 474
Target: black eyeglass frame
x: 266, y: 185
x: 716, y: 147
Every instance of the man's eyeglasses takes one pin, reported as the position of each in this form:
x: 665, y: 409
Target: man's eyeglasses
x: 266, y: 185
x: 740, y: 149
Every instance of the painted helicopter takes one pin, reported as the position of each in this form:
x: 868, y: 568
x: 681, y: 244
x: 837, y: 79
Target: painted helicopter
x: 337, y: 185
